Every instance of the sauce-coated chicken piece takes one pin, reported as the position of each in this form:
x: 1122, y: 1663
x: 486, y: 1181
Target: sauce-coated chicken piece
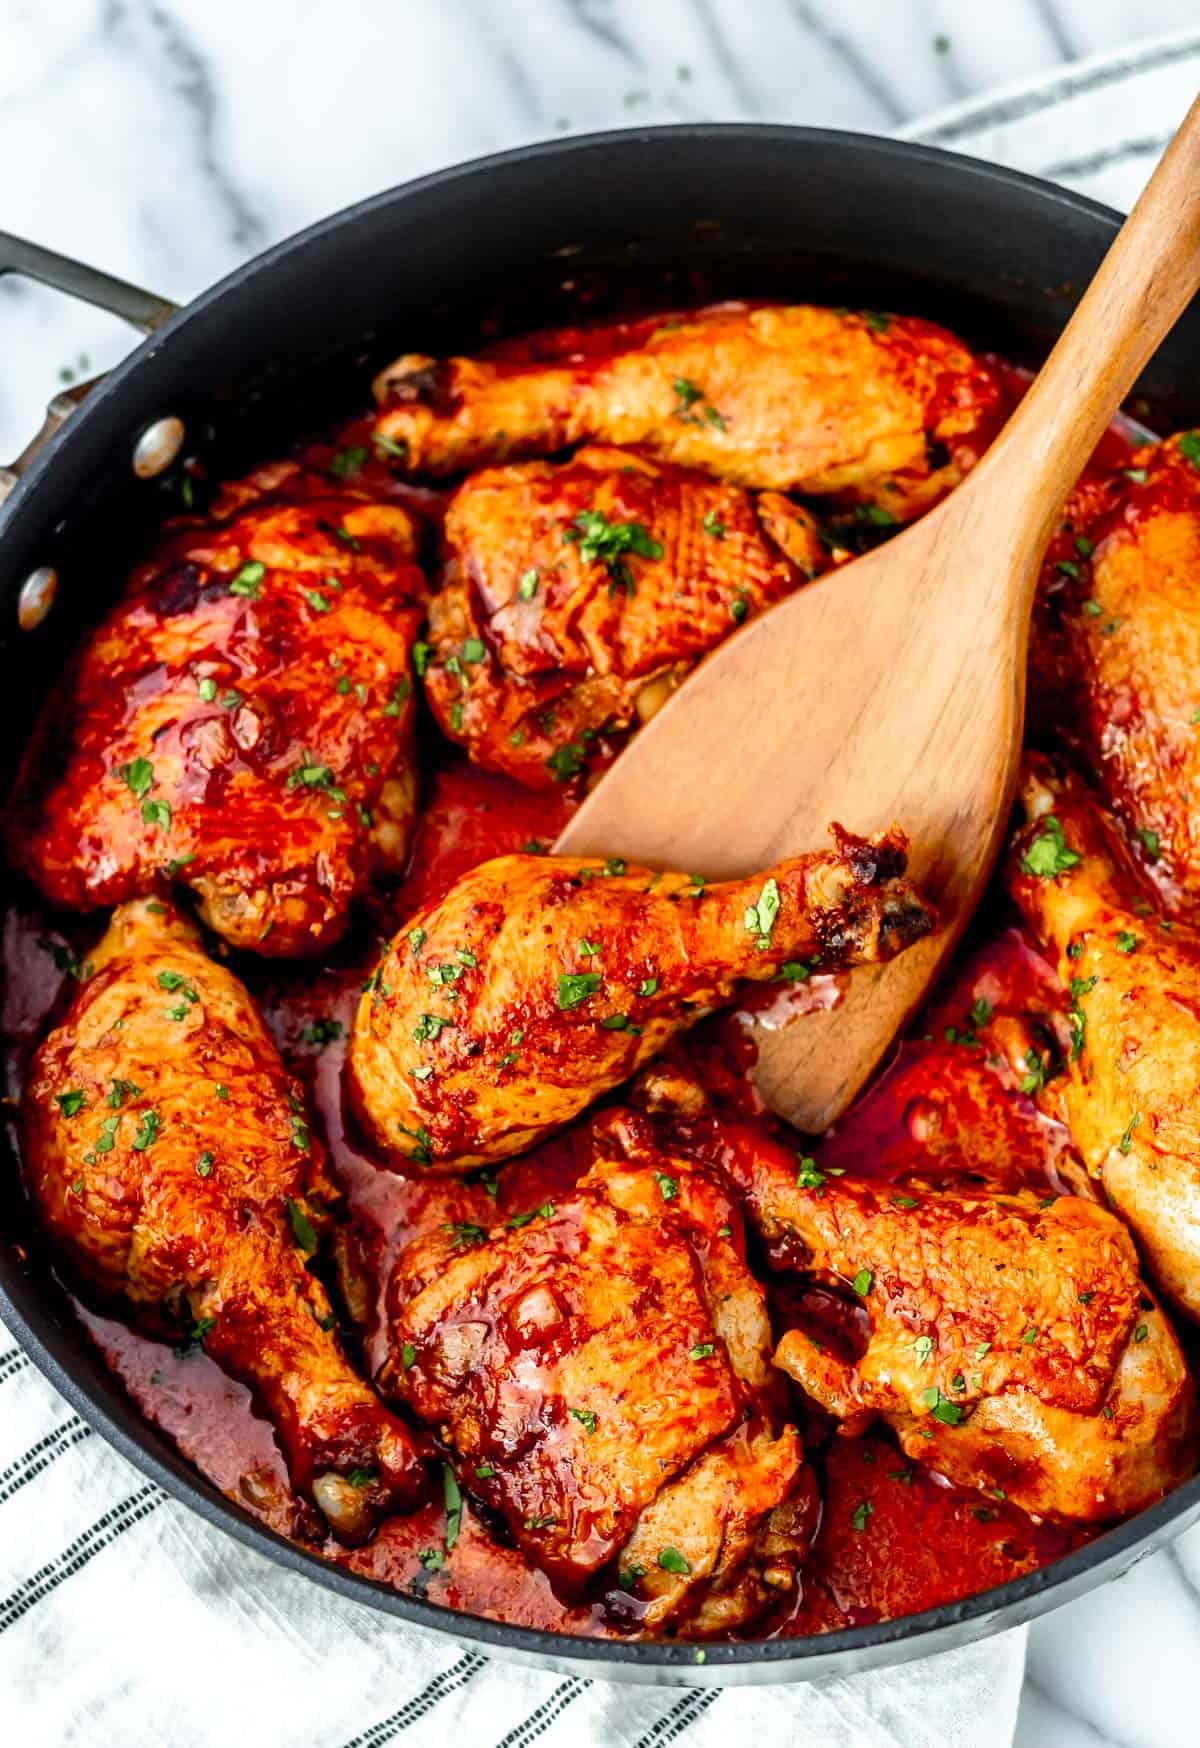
x: 536, y: 984
x: 168, y: 1153
x: 888, y: 411
x: 600, y: 1367
x: 1131, y: 1096
x: 577, y: 597
x: 242, y: 722
x: 1117, y: 650
x: 1012, y: 1344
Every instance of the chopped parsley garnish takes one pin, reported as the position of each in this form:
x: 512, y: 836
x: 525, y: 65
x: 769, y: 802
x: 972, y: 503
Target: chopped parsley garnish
x: 312, y: 776
x: 1141, y: 1332
x: 157, y: 813
x: 1034, y: 1078
x: 877, y: 320
x: 904, y: 1201
x: 1077, y: 1019
x: 862, y: 1282
x: 809, y: 1176
x: 702, y: 1350
x: 738, y: 608
x: 453, y: 1501
x: 316, y: 600
x: 137, y: 776
x: 196, y: 1334
x: 576, y: 987
x: 949, y: 1413
x: 71, y: 1103
x: 585, y: 1417
x: 671, y: 1560
x: 416, y: 939
x: 542, y: 1213
x: 361, y: 1477
x: 429, y: 1026
x: 527, y: 586
x: 408, y: 1356
x: 301, y: 1227
x: 668, y: 1187
x: 1149, y: 844
x: 300, y: 1139
x: 567, y: 761
x: 793, y: 971
x: 759, y: 918
x: 107, y: 1138
x: 422, y: 1153
x: 246, y: 581
x: 687, y: 393
x: 923, y: 1348
x: 713, y: 525
x: 598, y: 538
x: 1048, y: 854
x: 421, y: 653
x: 1126, y: 942
x: 648, y: 986
x: 208, y: 690
x: 147, y: 1132
x: 860, y: 1514
x: 205, y: 1164
x: 466, y: 1232
x: 119, y: 1091
x: 1189, y: 447
x: 349, y: 460
x: 473, y: 651
x: 587, y: 949
x: 1126, y: 1141
x: 485, y: 1471
x: 1029, y: 1337
x: 629, y: 1577
x: 321, y: 1031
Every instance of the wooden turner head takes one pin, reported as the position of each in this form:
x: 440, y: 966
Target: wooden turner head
x: 893, y: 690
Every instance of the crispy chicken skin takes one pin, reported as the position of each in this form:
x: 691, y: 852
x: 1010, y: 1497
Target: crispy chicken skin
x: 1012, y: 1344
x: 167, y: 1151
x: 868, y: 408
x: 1131, y: 1096
x: 1117, y: 650
x: 577, y: 597
x: 600, y: 1368
x: 242, y: 721
x: 536, y: 984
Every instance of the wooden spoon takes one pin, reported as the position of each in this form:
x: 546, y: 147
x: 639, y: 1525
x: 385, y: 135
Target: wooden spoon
x: 895, y: 689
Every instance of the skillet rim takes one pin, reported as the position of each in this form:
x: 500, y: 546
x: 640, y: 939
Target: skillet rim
x: 681, y: 1663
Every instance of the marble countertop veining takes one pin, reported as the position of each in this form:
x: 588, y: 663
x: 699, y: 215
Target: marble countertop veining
x: 167, y: 140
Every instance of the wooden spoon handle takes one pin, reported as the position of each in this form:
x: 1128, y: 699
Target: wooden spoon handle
x: 1146, y: 281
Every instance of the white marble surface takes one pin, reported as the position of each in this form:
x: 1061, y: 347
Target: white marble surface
x: 168, y: 141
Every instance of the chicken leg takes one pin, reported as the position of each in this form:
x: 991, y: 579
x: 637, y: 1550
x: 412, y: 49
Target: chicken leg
x: 167, y: 1151
x: 537, y: 984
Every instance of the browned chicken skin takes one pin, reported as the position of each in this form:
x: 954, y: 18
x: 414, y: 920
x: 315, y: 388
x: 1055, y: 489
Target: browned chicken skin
x: 1117, y: 651
x: 536, y: 984
x: 577, y: 597
x: 1012, y: 1344
x: 1131, y: 1096
x: 168, y: 1152
x: 242, y: 722
x: 600, y: 1367
x: 873, y: 409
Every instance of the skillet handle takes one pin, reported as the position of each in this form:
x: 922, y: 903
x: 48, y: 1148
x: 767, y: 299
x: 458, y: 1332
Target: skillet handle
x: 141, y: 309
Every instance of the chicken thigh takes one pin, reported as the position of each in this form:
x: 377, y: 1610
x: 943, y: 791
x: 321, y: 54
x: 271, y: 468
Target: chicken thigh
x: 1011, y: 1343
x: 1131, y: 1096
x: 600, y: 1368
x: 1117, y: 651
x: 167, y: 1151
x: 878, y: 410
x: 242, y: 722
x: 536, y: 984
x: 577, y: 597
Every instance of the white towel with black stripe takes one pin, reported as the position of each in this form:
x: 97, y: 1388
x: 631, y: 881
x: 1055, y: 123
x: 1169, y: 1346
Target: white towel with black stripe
x: 125, y: 1619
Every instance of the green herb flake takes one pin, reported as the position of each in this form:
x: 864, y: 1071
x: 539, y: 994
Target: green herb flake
x: 71, y: 1103
x: 137, y: 776
x: 671, y: 1560
x: 246, y: 582
x: 576, y: 987
x: 1126, y: 942
x: 301, y: 1226
x: 668, y: 1187
x: 585, y: 1417
x: 1048, y: 854
x: 348, y: 461
x: 860, y: 1514
x: 809, y: 1176
x: 147, y: 1132
x: 527, y: 585
x: 862, y: 1282
x: 205, y: 1164
x: 713, y: 526
x: 453, y: 1502
x: 1126, y: 1141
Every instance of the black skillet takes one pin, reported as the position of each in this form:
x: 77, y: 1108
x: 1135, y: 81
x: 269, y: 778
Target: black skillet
x: 552, y: 233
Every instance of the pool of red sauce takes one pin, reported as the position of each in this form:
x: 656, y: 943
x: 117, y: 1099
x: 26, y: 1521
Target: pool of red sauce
x: 893, y: 1538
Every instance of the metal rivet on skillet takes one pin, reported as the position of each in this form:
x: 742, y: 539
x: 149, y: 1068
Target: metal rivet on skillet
x: 157, y: 447
x: 36, y: 597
